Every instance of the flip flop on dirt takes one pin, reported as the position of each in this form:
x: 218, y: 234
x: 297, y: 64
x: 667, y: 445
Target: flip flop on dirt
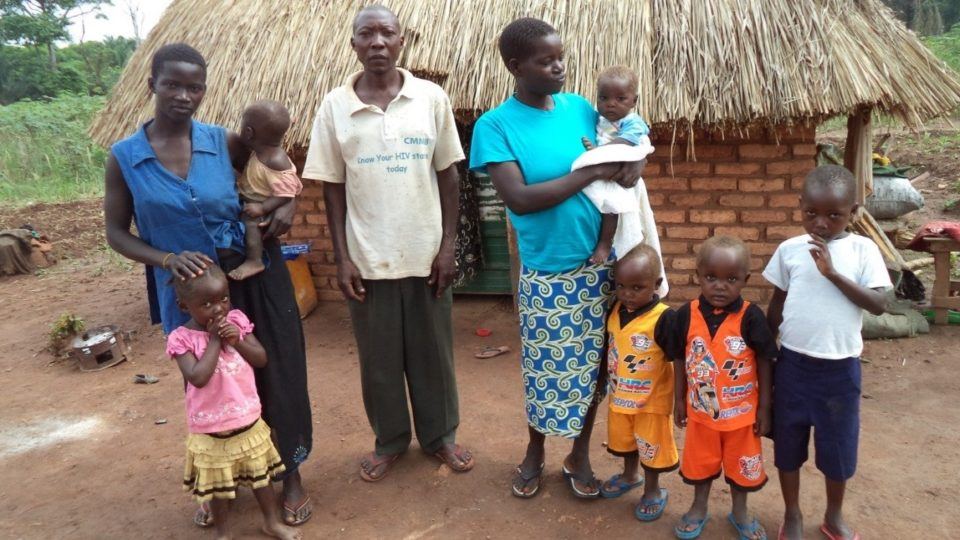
x: 680, y: 531
x: 373, y: 466
x: 825, y: 529
x: 522, y: 480
x: 296, y: 516
x: 458, y: 458
x: 749, y: 531
x: 590, y: 483
x: 490, y: 352
x: 203, y: 517
x: 140, y: 378
x: 651, y: 510
x: 617, y: 486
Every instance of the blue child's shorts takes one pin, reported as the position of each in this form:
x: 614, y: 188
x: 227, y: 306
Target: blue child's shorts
x: 820, y: 394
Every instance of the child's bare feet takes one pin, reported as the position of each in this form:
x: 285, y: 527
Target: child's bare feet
x: 601, y: 253
x: 792, y: 527
x: 247, y: 269
x: 276, y: 529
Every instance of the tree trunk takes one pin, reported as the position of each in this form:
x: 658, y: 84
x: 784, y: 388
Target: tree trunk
x: 52, y: 56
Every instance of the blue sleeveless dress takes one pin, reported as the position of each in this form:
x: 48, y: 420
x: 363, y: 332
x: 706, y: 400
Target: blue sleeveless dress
x: 198, y: 213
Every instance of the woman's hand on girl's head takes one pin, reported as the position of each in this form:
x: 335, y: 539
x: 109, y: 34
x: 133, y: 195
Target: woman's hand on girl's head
x: 188, y: 264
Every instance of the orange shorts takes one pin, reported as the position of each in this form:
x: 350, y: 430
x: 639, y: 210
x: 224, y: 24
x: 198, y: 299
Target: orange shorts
x: 737, y: 453
x: 650, y: 434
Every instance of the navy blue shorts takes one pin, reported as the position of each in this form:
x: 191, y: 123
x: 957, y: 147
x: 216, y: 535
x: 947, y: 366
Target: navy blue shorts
x: 823, y: 395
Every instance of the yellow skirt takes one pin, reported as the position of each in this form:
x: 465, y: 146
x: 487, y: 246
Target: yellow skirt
x: 217, y: 465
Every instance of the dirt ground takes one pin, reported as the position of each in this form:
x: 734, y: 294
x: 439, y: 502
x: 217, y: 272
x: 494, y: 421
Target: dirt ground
x: 83, y: 457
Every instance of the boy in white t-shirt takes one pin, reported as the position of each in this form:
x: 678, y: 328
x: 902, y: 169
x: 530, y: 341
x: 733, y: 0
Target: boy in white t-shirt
x: 824, y: 280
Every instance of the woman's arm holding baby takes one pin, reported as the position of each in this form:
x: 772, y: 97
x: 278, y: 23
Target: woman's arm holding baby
x: 523, y: 198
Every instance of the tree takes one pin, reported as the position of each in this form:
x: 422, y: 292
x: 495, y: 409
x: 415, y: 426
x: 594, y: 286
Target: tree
x: 100, y: 62
x: 926, y: 17
x: 39, y: 23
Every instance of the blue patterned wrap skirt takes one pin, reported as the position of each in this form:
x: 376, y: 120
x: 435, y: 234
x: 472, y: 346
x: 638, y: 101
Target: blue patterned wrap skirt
x: 562, y: 333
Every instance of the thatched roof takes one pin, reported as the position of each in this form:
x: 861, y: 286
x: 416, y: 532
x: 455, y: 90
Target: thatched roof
x: 707, y: 62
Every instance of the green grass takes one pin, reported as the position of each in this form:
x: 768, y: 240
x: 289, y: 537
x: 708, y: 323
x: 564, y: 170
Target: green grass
x: 946, y: 47
x: 46, y: 154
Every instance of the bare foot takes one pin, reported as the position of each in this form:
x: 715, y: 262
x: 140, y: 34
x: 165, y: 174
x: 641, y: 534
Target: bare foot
x: 601, y: 253
x: 247, y: 269
x: 279, y: 530
x: 792, y: 528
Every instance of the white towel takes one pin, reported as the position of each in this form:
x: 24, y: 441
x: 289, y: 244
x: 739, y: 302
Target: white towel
x: 636, y: 223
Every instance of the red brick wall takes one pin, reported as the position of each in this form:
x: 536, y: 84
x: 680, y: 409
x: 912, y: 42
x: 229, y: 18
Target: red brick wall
x: 742, y: 184
x: 310, y: 224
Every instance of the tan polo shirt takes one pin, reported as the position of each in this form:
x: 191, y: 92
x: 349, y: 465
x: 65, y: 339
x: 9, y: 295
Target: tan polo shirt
x: 389, y: 162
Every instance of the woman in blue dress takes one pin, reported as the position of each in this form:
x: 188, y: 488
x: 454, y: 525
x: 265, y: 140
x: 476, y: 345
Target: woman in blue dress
x: 175, y: 179
x: 527, y: 145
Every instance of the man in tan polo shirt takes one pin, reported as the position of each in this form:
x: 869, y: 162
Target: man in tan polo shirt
x: 386, y: 147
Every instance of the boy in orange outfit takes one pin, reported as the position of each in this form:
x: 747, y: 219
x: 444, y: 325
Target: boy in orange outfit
x: 723, y: 387
x: 641, y: 382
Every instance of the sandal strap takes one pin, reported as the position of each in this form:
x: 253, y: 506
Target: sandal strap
x: 526, y: 477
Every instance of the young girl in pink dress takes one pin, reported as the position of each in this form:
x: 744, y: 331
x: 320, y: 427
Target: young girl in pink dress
x: 229, y: 444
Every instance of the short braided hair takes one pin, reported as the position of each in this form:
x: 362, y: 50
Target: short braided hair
x: 184, y: 288
x: 516, y: 40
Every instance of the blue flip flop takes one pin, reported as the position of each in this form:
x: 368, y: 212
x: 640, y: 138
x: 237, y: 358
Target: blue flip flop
x: 747, y: 531
x: 661, y: 501
x: 622, y: 486
x: 690, y: 535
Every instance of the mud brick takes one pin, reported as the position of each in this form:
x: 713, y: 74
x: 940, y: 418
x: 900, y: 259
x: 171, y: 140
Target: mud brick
x: 763, y: 151
x: 761, y: 184
x: 742, y: 200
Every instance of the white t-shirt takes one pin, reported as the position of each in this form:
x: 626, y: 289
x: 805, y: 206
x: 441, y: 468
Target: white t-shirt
x: 818, y: 320
x: 389, y: 162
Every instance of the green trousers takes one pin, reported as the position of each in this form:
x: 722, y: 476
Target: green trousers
x: 405, y: 342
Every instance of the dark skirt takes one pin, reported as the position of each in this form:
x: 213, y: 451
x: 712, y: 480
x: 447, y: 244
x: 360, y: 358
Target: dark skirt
x: 268, y: 301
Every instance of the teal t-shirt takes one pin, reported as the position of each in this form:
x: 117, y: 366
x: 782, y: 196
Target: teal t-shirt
x: 544, y: 144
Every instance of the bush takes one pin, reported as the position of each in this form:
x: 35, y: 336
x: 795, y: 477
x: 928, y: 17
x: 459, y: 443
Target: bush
x: 45, y: 152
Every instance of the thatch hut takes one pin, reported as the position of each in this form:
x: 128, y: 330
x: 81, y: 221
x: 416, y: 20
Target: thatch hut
x: 734, y: 90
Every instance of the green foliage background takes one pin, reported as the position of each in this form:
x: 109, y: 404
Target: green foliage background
x: 45, y: 152
x: 946, y: 47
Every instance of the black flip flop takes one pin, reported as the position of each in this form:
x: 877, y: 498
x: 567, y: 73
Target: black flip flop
x: 572, y: 483
x: 527, y: 478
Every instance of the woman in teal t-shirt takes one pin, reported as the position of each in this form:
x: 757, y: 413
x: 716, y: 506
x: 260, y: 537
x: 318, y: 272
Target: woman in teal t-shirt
x: 527, y: 146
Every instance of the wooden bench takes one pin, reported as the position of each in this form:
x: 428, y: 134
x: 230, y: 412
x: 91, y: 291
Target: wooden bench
x: 941, y: 299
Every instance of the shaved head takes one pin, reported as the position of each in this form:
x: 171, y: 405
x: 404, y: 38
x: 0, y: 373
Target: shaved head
x: 376, y: 9
x: 832, y: 179
x: 269, y: 120
x: 645, y: 258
